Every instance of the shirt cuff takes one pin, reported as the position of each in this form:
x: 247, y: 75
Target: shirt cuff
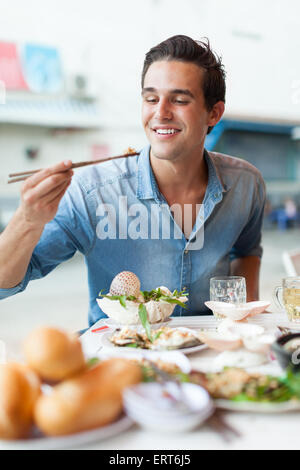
x: 4, y: 293
x: 258, y: 251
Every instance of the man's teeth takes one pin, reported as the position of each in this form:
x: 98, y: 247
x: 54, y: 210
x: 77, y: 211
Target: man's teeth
x: 166, y: 131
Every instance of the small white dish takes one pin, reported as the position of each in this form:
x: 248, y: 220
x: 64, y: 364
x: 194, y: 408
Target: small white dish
x: 230, y: 327
x: 240, y: 358
x: 219, y: 341
x: 237, y: 312
x: 150, y: 405
x: 261, y: 344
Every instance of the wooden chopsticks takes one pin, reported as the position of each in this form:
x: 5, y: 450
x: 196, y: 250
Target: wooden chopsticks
x: 23, y: 175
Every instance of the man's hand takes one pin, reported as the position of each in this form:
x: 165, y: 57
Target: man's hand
x: 40, y: 197
x: 42, y: 192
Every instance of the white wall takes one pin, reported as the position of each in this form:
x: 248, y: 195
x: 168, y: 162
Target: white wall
x: 259, y: 42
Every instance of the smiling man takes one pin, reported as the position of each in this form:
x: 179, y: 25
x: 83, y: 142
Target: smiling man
x: 175, y: 215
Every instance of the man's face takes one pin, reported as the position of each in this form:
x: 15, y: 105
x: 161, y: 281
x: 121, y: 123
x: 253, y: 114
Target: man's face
x: 174, y: 115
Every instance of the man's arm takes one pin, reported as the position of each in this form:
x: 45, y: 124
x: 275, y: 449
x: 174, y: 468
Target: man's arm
x: 248, y: 267
x: 40, y: 197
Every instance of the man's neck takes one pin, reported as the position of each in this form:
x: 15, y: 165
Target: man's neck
x: 186, y: 176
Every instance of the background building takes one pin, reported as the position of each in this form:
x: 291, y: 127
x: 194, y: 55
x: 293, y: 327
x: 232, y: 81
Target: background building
x: 93, y: 107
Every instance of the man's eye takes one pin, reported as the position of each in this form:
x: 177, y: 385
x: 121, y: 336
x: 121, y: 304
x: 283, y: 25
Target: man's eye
x: 151, y: 100
x: 181, y: 101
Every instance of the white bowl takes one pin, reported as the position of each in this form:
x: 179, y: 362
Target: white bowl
x: 146, y: 405
x: 158, y: 311
x: 237, y: 312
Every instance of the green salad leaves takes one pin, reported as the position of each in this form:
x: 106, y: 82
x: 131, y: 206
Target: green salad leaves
x: 156, y: 295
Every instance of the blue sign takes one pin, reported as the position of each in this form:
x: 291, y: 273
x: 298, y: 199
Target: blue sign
x: 42, y: 68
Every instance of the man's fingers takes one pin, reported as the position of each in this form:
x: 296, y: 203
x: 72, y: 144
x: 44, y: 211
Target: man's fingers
x: 49, y: 197
x: 41, y: 175
x: 46, y: 186
x: 55, y: 201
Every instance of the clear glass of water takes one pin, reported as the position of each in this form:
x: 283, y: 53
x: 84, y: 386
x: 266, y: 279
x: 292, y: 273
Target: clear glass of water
x: 230, y: 289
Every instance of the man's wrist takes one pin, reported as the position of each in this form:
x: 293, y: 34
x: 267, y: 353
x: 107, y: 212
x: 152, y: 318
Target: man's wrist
x: 35, y: 228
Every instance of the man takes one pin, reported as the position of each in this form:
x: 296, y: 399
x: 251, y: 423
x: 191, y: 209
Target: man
x: 176, y: 215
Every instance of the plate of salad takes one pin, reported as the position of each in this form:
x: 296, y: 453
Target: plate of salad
x: 238, y: 390
x: 126, y: 302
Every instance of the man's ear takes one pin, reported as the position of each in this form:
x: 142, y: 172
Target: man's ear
x: 216, y: 113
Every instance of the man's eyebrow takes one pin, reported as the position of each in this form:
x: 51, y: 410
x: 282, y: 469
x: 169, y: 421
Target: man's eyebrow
x: 176, y: 91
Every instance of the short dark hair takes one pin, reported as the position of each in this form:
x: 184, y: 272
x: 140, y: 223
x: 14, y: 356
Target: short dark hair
x: 185, y: 49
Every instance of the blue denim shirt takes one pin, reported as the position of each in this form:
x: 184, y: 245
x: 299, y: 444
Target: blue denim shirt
x: 115, y: 215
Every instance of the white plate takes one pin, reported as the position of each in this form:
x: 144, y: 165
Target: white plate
x: 253, y: 407
x: 172, y: 357
x: 41, y: 442
x: 106, y: 343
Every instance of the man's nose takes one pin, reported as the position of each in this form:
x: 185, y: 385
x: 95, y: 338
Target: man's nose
x: 163, y: 109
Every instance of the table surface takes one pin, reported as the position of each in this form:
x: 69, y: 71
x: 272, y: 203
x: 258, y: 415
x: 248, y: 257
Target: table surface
x: 258, y: 431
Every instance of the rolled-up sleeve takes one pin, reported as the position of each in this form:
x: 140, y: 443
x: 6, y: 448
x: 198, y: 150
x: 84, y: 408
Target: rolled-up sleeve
x: 249, y: 241
x: 70, y: 231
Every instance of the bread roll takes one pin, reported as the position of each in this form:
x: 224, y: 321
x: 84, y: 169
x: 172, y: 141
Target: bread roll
x: 89, y: 400
x: 19, y: 390
x: 54, y: 354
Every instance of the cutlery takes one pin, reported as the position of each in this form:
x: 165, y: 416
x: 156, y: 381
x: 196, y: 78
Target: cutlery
x: 23, y: 175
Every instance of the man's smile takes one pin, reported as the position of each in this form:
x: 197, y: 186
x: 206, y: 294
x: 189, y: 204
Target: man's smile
x: 165, y: 132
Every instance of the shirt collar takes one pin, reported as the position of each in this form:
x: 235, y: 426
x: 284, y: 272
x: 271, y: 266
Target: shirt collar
x: 147, y: 186
x: 215, y: 180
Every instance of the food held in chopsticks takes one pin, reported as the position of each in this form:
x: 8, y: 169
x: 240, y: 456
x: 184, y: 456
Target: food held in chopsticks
x: 160, y: 339
x: 126, y: 303
x: 54, y: 354
x: 88, y: 400
x: 19, y: 391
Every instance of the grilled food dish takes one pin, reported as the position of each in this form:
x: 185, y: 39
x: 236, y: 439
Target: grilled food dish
x: 175, y: 338
x: 19, y: 390
x: 89, y: 400
x: 162, y: 339
x: 54, y: 354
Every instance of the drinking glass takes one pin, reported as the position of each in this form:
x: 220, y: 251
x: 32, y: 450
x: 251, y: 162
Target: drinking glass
x: 228, y: 289
x: 290, y: 290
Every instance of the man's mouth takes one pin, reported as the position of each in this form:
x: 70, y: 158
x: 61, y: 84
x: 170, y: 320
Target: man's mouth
x: 166, y: 131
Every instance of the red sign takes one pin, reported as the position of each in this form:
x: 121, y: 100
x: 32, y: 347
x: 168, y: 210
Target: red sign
x: 100, y: 151
x: 10, y: 67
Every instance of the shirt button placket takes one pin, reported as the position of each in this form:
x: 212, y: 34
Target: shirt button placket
x: 185, y: 273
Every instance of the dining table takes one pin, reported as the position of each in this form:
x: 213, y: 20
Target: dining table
x: 252, y: 429
x: 256, y: 430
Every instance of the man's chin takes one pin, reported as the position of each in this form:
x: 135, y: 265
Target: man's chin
x: 164, y: 154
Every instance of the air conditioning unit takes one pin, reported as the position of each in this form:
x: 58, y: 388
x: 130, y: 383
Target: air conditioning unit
x: 79, y: 86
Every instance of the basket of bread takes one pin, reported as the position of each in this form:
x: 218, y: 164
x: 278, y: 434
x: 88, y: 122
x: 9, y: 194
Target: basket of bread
x: 57, y: 392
